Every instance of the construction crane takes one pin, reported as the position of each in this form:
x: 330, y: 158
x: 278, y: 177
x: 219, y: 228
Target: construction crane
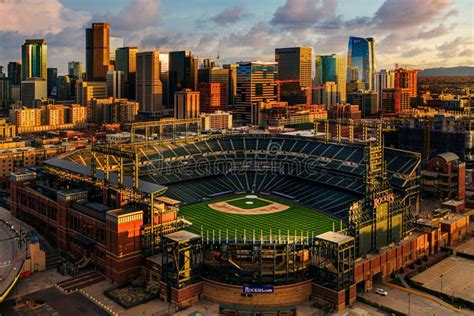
x: 307, y: 91
x: 279, y: 82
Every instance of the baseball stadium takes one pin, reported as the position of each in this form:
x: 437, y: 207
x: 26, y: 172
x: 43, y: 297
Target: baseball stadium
x: 245, y: 219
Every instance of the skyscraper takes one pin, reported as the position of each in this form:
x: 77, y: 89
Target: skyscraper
x: 97, y: 51
x: 183, y: 72
x: 209, y: 96
x: 14, y: 72
x: 86, y: 91
x: 115, y: 81
x: 216, y: 75
x: 294, y: 63
x: 395, y: 100
x: 149, y: 88
x: 367, y: 100
x: 116, y: 42
x: 406, y: 79
x: 74, y: 69
x: 232, y: 83
x: 331, y: 68
x: 66, y: 91
x: 186, y: 104
x: 384, y: 79
x: 126, y: 61
x: 33, y: 89
x: 52, y: 82
x: 34, y: 59
x: 5, y: 91
x: 361, y: 61
x: 255, y: 83
x: 327, y: 94
x: 164, y: 77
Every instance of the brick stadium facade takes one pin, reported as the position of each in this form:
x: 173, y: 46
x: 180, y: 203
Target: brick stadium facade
x: 103, y: 226
x: 115, y: 248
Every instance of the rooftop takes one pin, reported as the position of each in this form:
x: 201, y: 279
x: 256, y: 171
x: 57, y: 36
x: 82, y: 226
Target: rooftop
x: 335, y: 237
x: 73, y: 167
x: 168, y: 200
x: 451, y: 218
x: 182, y: 235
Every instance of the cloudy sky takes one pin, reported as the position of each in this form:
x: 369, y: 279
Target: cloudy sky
x: 421, y: 33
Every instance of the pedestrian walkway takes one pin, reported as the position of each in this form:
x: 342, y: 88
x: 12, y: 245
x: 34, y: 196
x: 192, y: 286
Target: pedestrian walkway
x: 79, y: 282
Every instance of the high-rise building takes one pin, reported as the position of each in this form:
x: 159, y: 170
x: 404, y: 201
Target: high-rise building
x: 208, y: 63
x: 164, y: 62
x: 113, y: 110
x: 294, y: 63
x: 97, y: 51
x: 218, y: 120
x: 216, y: 75
x: 5, y: 91
x: 34, y: 59
x: 182, y: 72
x: 33, y: 89
x: 186, y: 104
x: 126, y: 61
x: 149, y: 89
x: 65, y: 88
x: 74, y: 69
x: 406, y: 79
x: 52, y: 82
x: 116, y: 42
x: 361, y: 61
x: 164, y: 77
x: 115, y: 80
x: 395, y: 100
x: 210, y: 96
x: 331, y: 68
x: 232, y: 83
x: 88, y: 90
x: 255, y: 84
x: 14, y: 73
x: 327, y: 94
x: 367, y: 101
x: 384, y: 79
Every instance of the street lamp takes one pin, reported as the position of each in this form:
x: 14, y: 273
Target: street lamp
x: 441, y: 278
x: 409, y: 295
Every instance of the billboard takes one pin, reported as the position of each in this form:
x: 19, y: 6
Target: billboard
x: 251, y: 289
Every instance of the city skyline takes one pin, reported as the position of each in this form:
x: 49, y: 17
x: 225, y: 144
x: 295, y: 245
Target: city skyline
x: 420, y: 34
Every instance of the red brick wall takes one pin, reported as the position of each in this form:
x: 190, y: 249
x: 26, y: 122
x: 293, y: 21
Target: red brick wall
x: 337, y: 298
x: 461, y: 182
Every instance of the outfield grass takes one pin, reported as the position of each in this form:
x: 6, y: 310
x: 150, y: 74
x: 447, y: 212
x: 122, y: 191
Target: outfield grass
x: 242, y: 203
x: 296, y: 217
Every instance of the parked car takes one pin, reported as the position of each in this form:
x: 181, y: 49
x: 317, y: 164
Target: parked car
x: 381, y: 292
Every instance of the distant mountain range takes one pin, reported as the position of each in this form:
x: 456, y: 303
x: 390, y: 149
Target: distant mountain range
x: 449, y: 71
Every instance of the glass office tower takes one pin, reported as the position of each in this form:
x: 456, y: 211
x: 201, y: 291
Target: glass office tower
x: 361, y: 61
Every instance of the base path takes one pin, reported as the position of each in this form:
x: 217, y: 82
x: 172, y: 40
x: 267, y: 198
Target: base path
x: 225, y: 207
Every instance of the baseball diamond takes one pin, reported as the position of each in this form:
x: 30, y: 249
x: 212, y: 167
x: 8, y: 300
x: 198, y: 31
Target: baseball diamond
x: 230, y: 215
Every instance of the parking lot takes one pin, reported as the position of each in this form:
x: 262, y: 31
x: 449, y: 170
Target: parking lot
x: 452, y: 276
x: 467, y: 247
x: 405, y: 303
x: 56, y: 303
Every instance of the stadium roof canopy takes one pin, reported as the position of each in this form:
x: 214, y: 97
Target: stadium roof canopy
x: 73, y: 167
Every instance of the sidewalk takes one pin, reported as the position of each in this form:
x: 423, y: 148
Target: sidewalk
x: 97, y: 292
x: 424, y: 295
x: 36, y: 282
